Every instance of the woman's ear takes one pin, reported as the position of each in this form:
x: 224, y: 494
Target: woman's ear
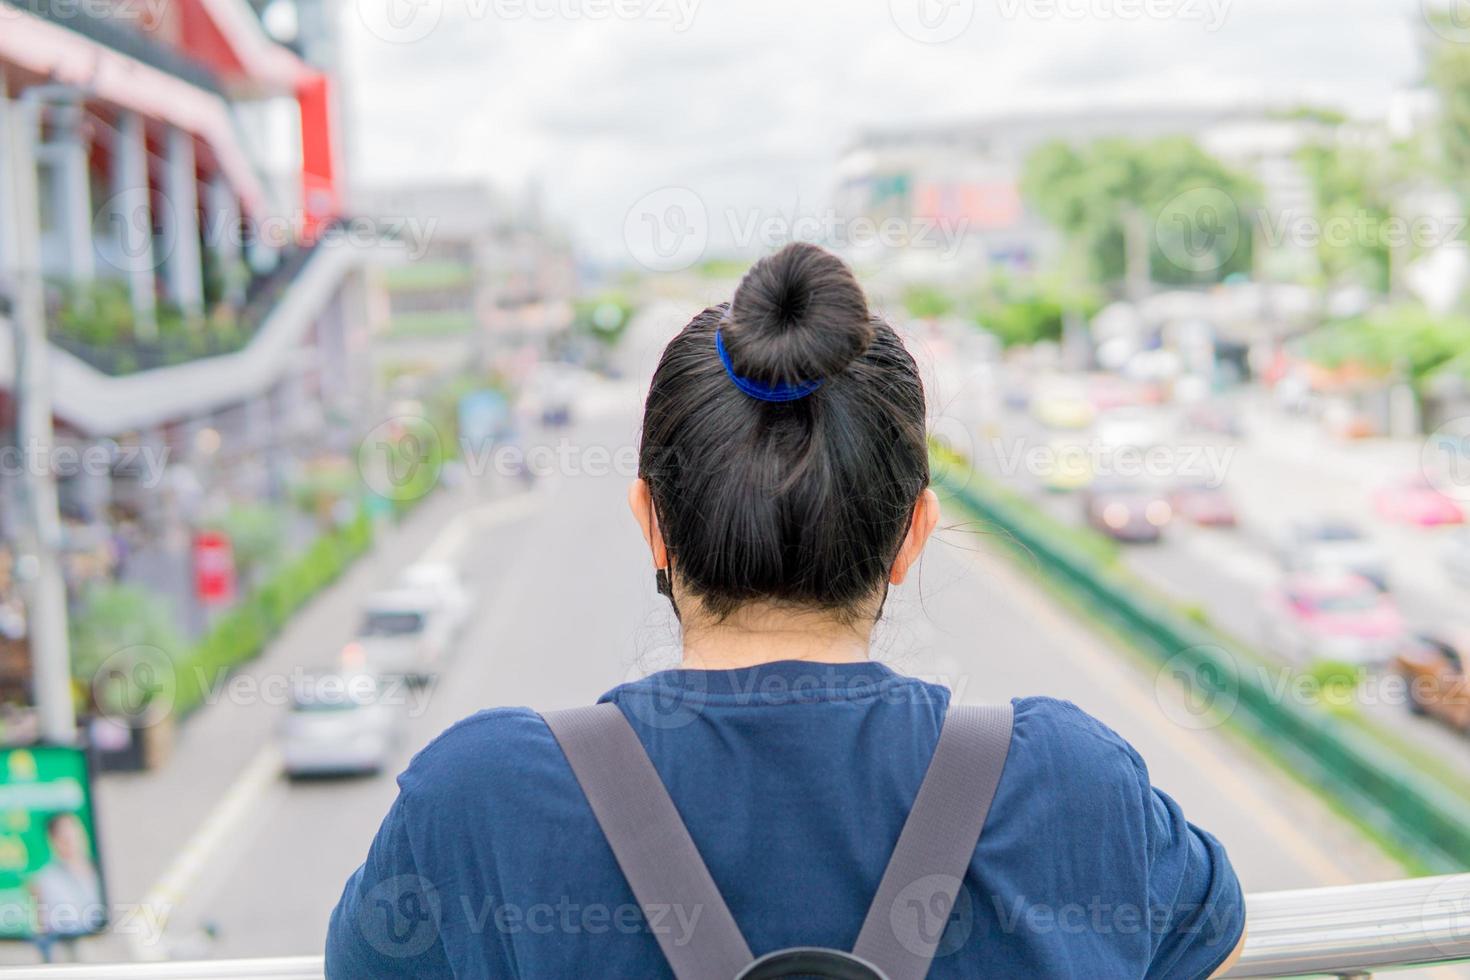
x: 640, y: 501
x: 926, y: 516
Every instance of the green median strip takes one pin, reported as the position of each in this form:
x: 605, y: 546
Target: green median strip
x: 1421, y: 815
x: 241, y: 633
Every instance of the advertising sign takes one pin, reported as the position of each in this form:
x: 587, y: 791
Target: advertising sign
x: 50, y: 870
x: 214, y: 568
x: 484, y: 418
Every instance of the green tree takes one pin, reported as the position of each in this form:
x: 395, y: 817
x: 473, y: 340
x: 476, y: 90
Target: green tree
x: 605, y: 317
x: 124, y: 644
x: 1025, y: 311
x: 257, y: 537
x: 1356, y: 190
x: 1410, y: 338
x: 927, y: 302
x: 1135, y: 211
x: 1448, y: 73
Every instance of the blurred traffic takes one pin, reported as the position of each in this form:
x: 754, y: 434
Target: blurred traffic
x: 1241, y: 496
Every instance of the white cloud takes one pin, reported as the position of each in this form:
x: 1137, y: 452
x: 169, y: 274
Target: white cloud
x: 751, y: 105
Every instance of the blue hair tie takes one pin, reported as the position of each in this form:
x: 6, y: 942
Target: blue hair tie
x: 763, y: 392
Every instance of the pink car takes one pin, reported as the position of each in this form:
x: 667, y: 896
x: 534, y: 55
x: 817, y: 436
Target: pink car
x: 1204, y: 505
x: 1332, y: 616
x: 1417, y: 501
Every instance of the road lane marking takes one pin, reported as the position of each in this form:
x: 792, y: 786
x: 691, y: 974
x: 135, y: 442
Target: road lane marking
x: 451, y: 539
x: 219, y: 826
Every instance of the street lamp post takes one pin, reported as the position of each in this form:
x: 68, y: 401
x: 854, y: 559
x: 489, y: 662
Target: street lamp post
x: 40, y: 567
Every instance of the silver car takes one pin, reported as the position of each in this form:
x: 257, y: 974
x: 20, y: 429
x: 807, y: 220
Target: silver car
x: 1333, y: 545
x: 406, y: 633
x: 1456, y: 558
x: 339, y: 723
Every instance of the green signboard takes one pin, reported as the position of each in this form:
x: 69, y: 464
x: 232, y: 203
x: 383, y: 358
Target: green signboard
x: 50, y: 872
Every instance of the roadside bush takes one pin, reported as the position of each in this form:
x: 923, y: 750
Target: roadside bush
x: 241, y: 633
x: 110, y: 620
x: 257, y: 537
x: 1336, y: 682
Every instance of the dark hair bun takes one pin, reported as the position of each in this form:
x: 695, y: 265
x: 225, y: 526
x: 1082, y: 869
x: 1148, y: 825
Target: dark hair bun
x: 798, y: 315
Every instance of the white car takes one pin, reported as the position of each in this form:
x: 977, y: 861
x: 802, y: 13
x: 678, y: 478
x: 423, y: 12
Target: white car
x: 1133, y: 428
x: 439, y: 583
x: 339, y: 723
x: 1456, y: 558
x: 405, y: 633
x: 1333, y: 546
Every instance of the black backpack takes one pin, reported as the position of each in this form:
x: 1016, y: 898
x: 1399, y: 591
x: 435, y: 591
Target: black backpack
x: 908, y: 915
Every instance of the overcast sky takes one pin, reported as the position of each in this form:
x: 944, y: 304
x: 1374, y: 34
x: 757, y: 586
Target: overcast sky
x: 749, y: 103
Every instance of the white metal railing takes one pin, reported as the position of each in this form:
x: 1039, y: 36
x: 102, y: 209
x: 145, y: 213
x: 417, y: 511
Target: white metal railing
x: 1356, y: 929
x: 1345, y: 932
x: 282, y: 968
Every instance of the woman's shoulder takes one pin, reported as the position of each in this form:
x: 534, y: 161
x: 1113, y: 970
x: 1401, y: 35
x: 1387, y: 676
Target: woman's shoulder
x: 495, y: 747
x: 1059, y: 737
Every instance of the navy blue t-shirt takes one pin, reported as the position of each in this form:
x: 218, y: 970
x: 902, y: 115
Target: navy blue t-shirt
x: 794, y: 780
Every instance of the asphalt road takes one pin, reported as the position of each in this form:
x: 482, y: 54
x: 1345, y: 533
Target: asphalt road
x: 568, y: 610
x: 565, y: 610
x: 1279, y: 471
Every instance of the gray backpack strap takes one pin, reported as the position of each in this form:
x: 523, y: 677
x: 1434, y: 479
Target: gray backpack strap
x: 652, y: 846
x: 937, y: 844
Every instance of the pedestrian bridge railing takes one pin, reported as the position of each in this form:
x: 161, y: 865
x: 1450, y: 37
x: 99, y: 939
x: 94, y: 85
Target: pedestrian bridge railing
x: 1349, y: 931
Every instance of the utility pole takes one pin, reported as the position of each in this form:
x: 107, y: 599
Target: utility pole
x: 39, y: 566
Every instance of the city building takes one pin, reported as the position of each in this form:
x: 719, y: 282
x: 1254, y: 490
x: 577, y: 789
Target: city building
x: 170, y: 182
x: 478, y: 267
x: 962, y: 183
